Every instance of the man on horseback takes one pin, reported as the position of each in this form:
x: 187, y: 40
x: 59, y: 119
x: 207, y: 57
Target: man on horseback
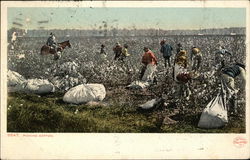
x: 52, y: 47
x: 52, y: 41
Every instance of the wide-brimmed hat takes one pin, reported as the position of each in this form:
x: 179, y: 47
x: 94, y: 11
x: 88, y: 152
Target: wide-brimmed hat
x: 195, y: 50
x: 162, y: 42
x: 182, y: 52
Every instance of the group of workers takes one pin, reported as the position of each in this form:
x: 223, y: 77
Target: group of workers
x: 181, y: 75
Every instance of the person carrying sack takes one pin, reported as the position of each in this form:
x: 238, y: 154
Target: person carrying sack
x: 148, y: 59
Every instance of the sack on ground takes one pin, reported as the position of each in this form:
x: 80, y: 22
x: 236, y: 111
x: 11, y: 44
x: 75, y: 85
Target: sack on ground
x: 154, y: 103
x: 149, y: 73
x: 36, y: 86
x: 85, y: 93
x: 148, y: 105
x: 14, y: 78
x: 138, y: 85
x: 215, y: 114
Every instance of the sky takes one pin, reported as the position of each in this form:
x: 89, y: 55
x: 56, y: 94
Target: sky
x: 129, y: 18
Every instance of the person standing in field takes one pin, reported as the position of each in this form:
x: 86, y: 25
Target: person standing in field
x: 103, y: 49
x: 124, y: 52
x: 117, y: 51
x: 181, y: 75
x: 196, y: 58
x: 179, y: 48
x: 13, y: 40
x: 166, y: 50
x: 149, y: 62
x: 220, y: 57
x: 103, y: 53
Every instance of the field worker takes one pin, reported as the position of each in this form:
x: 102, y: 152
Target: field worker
x: 117, y: 50
x: 52, y: 41
x: 228, y: 75
x: 166, y: 50
x: 196, y: 58
x: 103, y: 54
x: 13, y: 39
x: 181, y: 75
x: 103, y: 50
x: 124, y: 52
x: 181, y: 58
x: 220, y: 56
x: 149, y: 62
x: 179, y: 48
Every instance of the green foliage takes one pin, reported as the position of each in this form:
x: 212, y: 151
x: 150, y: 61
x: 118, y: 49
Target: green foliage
x: 48, y: 113
x: 32, y: 113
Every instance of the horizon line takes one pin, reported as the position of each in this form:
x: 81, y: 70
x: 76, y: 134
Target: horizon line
x: 127, y: 29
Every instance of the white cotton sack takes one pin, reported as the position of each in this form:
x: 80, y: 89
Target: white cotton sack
x: 85, y: 93
x: 14, y: 78
x: 37, y: 86
x: 149, y: 104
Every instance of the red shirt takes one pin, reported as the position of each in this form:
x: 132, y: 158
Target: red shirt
x: 149, y: 58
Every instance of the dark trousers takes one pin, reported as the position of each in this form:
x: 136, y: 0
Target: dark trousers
x: 117, y: 55
x: 165, y: 61
x: 143, y: 69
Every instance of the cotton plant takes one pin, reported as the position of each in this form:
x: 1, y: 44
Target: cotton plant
x: 82, y: 63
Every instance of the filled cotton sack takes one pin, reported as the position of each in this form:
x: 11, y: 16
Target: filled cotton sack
x: 215, y: 114
x: 149, y: 73
x: 152, y: 104
x: 148, y: 105
x: 14, y: 78
x: 36, y: 86
x: 85, y: 93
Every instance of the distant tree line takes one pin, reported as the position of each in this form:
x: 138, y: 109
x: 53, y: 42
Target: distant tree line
x: 124, y: 32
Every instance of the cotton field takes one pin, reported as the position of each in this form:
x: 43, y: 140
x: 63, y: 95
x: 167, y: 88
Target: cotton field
x: 83, y: 64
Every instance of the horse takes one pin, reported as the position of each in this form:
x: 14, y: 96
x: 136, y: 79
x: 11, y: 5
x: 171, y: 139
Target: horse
x: 45, y: 50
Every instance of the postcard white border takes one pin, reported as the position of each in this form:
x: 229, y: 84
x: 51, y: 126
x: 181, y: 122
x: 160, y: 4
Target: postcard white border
x: 114, y: 145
